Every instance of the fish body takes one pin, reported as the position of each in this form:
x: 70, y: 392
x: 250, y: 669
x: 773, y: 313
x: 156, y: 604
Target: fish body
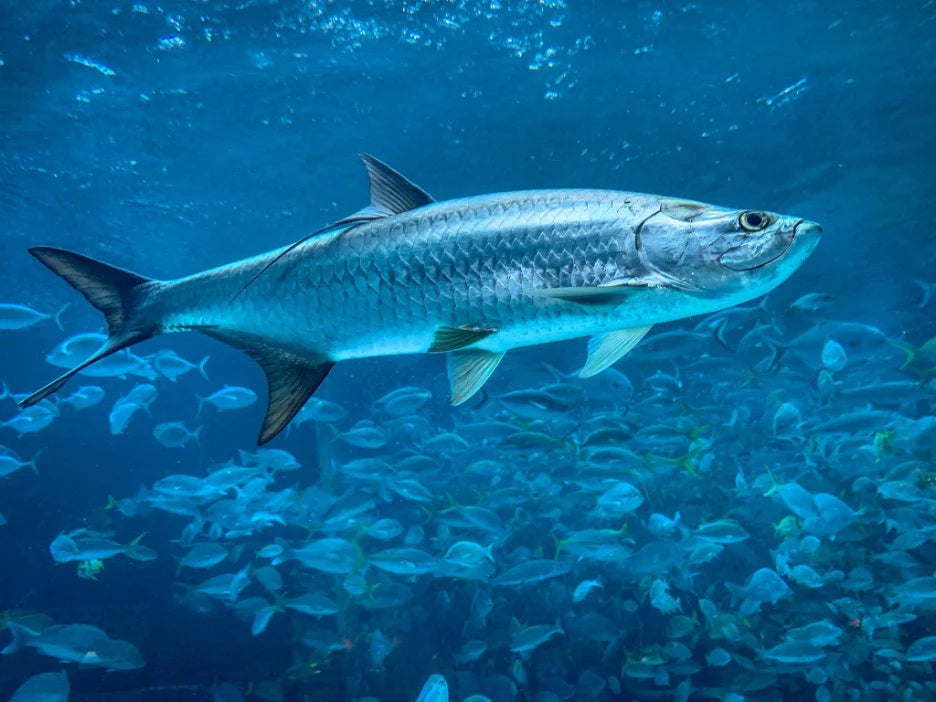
x: 175, y: 434
x: 584, y: 588
x: 203, y: 555
x: 379, y: 648
x: 618, y: 500
x: 402, y: 401
x: 32, y: 419
x: 364, y: 434
x: 494, y: 253
x: 44, y: 687
x: 313, y: 604
x: 810, y: 302
x: 532, y: 637
x: 435, y: 690
x: 227, y: 586
x: 270, y: 459
x: 84, y: 397
x: 922, y: 650
x: 66, y: 548
x: 74, y: 349
x: 328, y: 555
x: 763, y: 586
x: 139, y: 398
x: 76, y: 643
x: 472, y: 277
x: 794, y: 652
x: 9, y: 464
x: 77, y: 348
x: 171, y: 365
x: 14, y: 317
x: 470, y: 652
x: 531, y: 572
x: 318, y: 410
x: 228, y: 398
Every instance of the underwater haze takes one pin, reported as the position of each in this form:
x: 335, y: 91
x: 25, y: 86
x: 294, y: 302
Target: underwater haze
x: 740, y: 508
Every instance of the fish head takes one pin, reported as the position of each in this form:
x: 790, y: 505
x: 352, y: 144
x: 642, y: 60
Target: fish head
x: 701, y: 248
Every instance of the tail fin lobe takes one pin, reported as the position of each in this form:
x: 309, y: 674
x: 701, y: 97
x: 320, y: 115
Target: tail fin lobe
x: 106, y: 287
x: 114, y: 291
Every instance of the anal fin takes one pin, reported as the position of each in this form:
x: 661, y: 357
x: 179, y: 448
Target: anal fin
x: 291, y: 382
x: 469, y: 370
x: 291, y: 377
x: 604, y: 350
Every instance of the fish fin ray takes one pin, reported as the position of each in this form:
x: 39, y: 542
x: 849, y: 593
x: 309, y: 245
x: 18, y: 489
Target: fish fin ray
x: 469, y: 370
x: 348, y: 222
x: 391, y: 192
x: 604, y: 350
x: 455, y: 338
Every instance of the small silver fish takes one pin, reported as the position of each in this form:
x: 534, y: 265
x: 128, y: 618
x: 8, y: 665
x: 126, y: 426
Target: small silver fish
x: 175, y: 434
x: 14, y: 317
x: 9, y: 464
x: 84, y: 397
x: 228, y: 398
x: 173, y: 366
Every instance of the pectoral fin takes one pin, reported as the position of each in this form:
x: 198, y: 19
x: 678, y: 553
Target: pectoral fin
x: 604, y: 350
x: 611, y: 294
x: 469, y: 370
x: 455, y: 338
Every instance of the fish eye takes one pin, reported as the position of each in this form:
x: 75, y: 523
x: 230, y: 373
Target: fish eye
x: 753, y: 221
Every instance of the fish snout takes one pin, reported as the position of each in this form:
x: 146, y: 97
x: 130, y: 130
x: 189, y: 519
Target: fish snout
x: 807, y: 228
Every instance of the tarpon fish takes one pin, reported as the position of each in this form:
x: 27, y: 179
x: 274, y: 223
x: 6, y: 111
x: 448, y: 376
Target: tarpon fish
x: 471, y: 278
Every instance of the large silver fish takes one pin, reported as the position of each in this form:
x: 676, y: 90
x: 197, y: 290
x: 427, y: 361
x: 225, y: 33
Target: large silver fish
x: 472, y: 278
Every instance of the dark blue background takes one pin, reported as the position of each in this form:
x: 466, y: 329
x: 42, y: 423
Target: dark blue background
x: 244, y: 138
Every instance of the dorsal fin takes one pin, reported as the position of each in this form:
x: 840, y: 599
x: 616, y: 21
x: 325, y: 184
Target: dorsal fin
x: 390, y: 191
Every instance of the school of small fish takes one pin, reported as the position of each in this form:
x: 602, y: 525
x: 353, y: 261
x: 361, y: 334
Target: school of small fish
x: 744, y: 505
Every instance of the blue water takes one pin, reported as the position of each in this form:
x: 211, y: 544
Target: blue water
x: 171, y: 137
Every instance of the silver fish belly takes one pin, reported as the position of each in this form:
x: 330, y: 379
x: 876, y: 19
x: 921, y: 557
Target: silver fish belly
x: 471, y: 278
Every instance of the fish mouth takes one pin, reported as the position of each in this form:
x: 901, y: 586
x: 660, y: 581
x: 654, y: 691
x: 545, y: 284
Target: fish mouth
x: 806, y: 235
x: 807, y: 232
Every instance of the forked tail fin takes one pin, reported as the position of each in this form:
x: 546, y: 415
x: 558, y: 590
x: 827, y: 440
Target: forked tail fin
x: 116, y: 292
